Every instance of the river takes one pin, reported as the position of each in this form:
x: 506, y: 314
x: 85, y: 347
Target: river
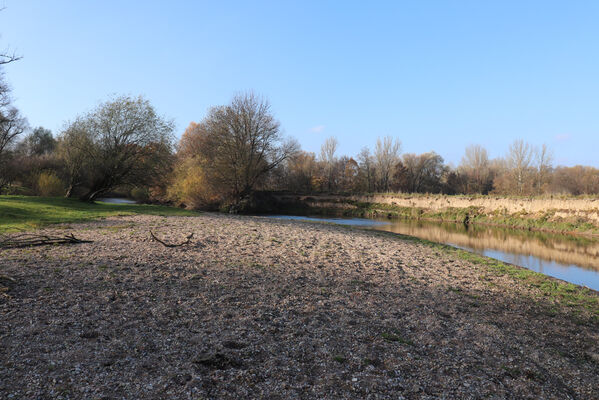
x: 116, y: 200
x: 570, y: 258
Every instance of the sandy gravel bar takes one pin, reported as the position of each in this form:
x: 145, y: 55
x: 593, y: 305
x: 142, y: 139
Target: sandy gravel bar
x: 262, y: 308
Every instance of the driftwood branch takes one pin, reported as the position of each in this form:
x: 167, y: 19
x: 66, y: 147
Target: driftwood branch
x: 28, y: 240
x: 186, y: 242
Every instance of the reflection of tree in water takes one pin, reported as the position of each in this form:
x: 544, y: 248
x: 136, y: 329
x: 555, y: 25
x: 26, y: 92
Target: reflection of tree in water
x: 548, y: 238
x: 522, y: 244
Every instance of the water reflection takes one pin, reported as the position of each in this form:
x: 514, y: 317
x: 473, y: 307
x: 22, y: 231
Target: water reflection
x: 562, y: 249
x: 341, y: 221
x: 571, y: 258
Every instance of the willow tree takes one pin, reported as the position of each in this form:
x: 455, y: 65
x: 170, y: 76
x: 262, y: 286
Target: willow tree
x: 122, y: 142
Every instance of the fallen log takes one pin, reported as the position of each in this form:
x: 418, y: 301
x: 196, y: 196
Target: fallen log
x: 189, y: 237
x: 29, y: 240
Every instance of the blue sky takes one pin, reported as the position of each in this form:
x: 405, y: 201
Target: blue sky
x: 438, y: 75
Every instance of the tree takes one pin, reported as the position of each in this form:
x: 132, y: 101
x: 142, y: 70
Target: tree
x: 301, y: 171
x: 12, y: 125
x: 119, y: 143
x: 10, y: 120
x: 420, y: 173
x: 327, y: 157
x: 367, y: 173
x: 348, y: 174
x: 72, y: 147
x: 6, y: 56
x: 576, y: 180
x: 519, y: 160
x: 40, y: 142
x: 386, y: 156
x: 475, y: 166
x: 544, y: 165
x: 239, y: 144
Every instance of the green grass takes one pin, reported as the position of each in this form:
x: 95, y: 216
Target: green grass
x: 19, y: 213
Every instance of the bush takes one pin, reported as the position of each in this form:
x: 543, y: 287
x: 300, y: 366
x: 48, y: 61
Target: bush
x: 49, y: 185
x: 190, y: 188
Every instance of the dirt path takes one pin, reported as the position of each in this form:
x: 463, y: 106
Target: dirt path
x: 260, y: 308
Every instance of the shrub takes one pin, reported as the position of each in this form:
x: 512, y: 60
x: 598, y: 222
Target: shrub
x: 49, y: 185
x: 191, y: 188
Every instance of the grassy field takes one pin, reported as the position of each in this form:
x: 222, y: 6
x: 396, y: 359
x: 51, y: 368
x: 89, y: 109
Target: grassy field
x: 26, y: 213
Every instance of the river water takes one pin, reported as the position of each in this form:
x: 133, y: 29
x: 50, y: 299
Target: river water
x: 570, y: 258
x: 116, y: 200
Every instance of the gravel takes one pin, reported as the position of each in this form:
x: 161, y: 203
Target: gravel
x: 261, y: 308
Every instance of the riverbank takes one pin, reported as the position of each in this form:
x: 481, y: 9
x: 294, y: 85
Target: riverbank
x: 261, y: 308
x: 558, y: 215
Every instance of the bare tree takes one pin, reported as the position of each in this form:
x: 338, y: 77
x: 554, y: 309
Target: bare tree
x: 11, y: 122
x: 327, y: 157
x: 348, y: 173
x: 421, y: 173
x: 544, y: 165
x: 386, y: 156
x: 576, y: 180
x: 475, y: 165
x: 6, y: 56
x: 241, y: 142
x: 301, y: 169
x: 519, y: 161
x: 367, y: 170
x: 12, y: 125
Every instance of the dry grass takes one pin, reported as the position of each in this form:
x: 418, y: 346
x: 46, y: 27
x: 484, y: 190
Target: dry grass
x: 579, y: 214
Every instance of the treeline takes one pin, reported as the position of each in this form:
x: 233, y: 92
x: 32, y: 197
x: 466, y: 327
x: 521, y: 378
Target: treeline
x: 124, y: 146
x: 525, y: 170
x: 121, y: 145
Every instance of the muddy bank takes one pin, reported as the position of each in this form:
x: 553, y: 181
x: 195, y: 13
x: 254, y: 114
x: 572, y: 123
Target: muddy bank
x: 259, y: 308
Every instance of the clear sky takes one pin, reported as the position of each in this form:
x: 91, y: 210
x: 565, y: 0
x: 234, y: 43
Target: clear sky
x: 438, y: 75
